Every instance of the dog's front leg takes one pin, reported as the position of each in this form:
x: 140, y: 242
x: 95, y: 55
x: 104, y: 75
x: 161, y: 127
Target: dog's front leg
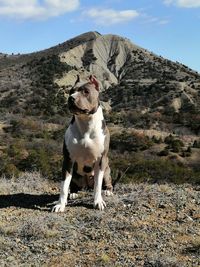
x: 98, y: 180
x: 67, y: 170
x: 60, y: 207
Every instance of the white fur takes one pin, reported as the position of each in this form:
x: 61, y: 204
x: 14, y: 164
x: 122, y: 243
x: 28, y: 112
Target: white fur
x: 85, y: 138
x: 73, y: 196
x: 60, y: 207
x: 98, y: 200
x: 75, y: 94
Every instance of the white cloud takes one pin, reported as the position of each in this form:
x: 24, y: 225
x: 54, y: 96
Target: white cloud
x: 189, y: 3
x: 184, y: 3
x: 35, y: 9
x: 168, y: 2
x: 110, y: 16
x: 164, y: 21
x: 148, y: 19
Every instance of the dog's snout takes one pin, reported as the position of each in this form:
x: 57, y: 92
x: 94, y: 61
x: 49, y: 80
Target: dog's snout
x: 71, y: 99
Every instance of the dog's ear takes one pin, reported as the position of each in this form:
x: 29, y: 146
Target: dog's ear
x: 77, y: 79
x: 94, y: 81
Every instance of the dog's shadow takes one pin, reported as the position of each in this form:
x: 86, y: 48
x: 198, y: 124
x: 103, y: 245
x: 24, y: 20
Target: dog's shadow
x: 35, y: 202
x: 27, y: 201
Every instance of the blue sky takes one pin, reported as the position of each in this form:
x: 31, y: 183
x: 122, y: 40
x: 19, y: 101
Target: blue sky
x: 170, y: 28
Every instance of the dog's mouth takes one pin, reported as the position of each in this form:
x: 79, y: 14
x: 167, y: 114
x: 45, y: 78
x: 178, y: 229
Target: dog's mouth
x: 76, y: 110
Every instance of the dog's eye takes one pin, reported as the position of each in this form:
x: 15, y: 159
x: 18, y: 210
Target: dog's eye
x: 86, y: 91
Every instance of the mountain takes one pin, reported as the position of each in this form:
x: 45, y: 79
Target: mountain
x: 149, y: 96
x: 133, y: 78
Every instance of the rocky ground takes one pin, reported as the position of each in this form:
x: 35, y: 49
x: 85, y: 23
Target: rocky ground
x: 143, y: 225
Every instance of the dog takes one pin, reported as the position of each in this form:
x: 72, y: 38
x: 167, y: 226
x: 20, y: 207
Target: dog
x: 85, y: 147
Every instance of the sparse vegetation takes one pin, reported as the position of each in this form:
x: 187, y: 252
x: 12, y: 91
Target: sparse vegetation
x: 143, y: 225
x: 127, y: 141
x: 152, y: 170
x: 174, y: 144
x: 49, y: 98
x: 36, y: 146
x: 196, y: 144
x: 32, y: 146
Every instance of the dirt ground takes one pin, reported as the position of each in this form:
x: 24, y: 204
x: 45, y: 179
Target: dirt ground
x: 147, y: 225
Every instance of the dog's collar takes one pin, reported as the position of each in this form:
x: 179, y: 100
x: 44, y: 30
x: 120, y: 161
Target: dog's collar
x: 94, y: 110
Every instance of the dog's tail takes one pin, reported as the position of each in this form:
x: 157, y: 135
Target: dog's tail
x: 119, y: 176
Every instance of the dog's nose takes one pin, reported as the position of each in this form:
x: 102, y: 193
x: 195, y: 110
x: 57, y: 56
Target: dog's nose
x: 71, y: 99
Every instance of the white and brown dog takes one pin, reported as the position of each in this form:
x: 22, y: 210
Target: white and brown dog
x: 86, y: 145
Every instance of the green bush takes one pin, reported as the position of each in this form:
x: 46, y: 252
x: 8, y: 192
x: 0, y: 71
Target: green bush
x: 196, y: 144
x: 174, y: 144
x: 158, y: 170
x: 187, y: 152
x: 10, y: 170
x: 164, y: 152
x: 127, y: 141
x: 49, y: 99
x: 41, y: 159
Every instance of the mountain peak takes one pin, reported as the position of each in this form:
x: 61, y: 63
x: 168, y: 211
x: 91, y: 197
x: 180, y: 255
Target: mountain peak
x: 87, y: 36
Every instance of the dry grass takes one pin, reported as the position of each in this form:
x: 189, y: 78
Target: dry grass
x: 28, y: 182
x: 139, y: 227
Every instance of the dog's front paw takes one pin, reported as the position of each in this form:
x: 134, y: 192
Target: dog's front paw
x: 99, y: 204
x: 58, y: 208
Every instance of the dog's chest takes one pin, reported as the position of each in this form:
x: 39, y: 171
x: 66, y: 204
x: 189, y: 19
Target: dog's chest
x: 85, y: 149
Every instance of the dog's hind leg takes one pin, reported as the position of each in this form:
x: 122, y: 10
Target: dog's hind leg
x: 107, y: 182
x: 78, y: 184
x: 73, y: 190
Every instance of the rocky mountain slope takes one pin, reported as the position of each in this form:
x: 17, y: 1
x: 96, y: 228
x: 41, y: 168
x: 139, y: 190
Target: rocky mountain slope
x: 136, y: 78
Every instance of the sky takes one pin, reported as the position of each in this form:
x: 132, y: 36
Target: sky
x: 170, y: 28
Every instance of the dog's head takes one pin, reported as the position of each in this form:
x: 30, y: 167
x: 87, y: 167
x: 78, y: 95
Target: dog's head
x: 84, y: 96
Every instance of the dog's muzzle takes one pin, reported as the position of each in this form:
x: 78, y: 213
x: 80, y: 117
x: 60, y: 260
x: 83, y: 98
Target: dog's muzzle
x: 71, y: 103
x: 73, y: 107
x: 71, y: 100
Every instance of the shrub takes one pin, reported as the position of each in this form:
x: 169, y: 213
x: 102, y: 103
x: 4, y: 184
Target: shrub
x: 42, y: 160
x: 158, y: 170
x: 47, y: 98
x: 164, y: 152
x: 175, y: 145
x: 129, y: 141
x: 157, y: 140
x: 196, y: 144
x: 187, y: 152
x: 10, y: 170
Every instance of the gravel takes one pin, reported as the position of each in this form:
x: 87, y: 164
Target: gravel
x: 148, y: 225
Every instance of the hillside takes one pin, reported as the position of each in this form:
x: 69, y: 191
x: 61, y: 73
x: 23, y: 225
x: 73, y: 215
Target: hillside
x: 151, y: 107
x: 137, y: 80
